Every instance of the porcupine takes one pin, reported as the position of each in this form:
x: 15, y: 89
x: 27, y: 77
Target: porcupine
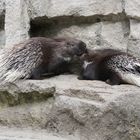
x: 37, y: 56
x: 113, y: 66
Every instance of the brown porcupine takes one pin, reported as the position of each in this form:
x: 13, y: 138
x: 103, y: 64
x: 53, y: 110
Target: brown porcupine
x: 37, y: 56
x: 112, y: 66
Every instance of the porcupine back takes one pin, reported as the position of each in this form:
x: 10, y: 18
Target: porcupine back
x: 126, y: 66
x: 20, y: 61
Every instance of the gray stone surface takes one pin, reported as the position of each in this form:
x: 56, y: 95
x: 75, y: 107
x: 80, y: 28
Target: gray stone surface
x: 2, y: 15
x: 76, y: 108
x: 99, y: 35
x: 16, y: 22
x: 2, y: 38
x: 64, y: 105
x: 84, y: 8
x: 134, y: 37
x: 56, y: 8
x: 132, y: 8
x: 26, y: 134
x: 97, y: 22
x: 2, y: 7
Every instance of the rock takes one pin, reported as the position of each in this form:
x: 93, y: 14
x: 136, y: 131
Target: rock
x: 99, y: 35
x: 134, y: 38
x: 84, y: 8
x: 37, y: 8
x: 2, y: 38
x: 114, y: 35
x: 76, y: 108
x: 134, y: 29
x: 2, y: 7
x: 132, y: 8
x: 25, y: 92
x: 16, y: 22
x: 99, y: 23
x: 63, y: 104
x: 2, y: 16
x: 56, y: 8
x: 25, y: 134
x: 132, y: 12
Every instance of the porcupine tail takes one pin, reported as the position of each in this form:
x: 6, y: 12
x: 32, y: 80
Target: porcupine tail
x: 19, y: 61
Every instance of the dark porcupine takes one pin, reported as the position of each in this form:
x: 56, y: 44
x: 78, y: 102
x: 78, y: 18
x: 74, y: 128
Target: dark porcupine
x: 112, y: 66
x: 39, y: 55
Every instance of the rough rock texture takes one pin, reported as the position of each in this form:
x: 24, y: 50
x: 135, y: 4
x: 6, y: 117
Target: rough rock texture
x: 100, y: 23
x: 134, y: 38
x: 98, y: 35
x: 73, y: 108
x: 83, y: 109
x: 2, y: 7
x: 25, y: 134
x: 57, y: 8
x: 16, y: 22
x: 2, y: 15
x: 132, y: 8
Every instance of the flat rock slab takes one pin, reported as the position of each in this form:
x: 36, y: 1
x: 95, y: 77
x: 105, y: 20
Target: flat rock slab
x: 18, y: 134
x: 65, y: 105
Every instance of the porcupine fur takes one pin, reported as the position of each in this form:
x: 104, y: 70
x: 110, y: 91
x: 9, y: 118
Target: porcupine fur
x: 38, y: 55
x: 112, y: 66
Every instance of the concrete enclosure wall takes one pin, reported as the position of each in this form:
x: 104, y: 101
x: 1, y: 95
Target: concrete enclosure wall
x: 100, y: 23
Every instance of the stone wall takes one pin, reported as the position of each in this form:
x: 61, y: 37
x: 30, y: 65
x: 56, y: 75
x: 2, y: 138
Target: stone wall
x: 100, y: 23
x: 64, y: 105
